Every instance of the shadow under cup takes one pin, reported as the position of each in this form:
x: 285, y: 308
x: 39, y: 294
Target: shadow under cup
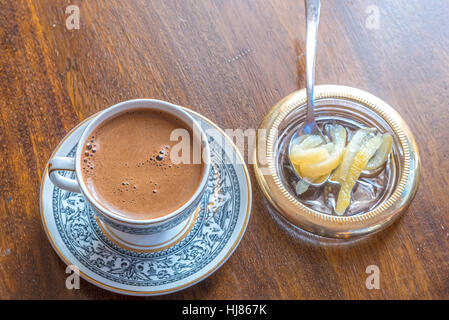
x: 121, y: 223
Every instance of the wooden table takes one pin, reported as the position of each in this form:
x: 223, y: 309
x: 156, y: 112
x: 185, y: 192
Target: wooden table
x: 230, y: 60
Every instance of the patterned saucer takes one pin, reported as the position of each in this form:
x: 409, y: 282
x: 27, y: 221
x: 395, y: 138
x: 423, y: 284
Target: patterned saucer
x: 210, y: 237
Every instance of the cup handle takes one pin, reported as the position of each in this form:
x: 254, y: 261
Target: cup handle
x: 63, y: 163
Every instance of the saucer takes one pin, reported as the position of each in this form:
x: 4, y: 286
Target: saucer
x: 176, y: 260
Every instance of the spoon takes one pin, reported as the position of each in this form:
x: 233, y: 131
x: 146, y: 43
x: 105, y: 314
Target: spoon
x: 310, y: 127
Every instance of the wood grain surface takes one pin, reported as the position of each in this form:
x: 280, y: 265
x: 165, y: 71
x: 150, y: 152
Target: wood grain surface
x: 230, y: 60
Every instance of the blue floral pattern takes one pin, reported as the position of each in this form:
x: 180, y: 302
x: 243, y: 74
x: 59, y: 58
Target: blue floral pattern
x: 216, y: 222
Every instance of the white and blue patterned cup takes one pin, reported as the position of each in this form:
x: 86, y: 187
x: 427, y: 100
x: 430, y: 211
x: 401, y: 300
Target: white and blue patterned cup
x: 126, y: 225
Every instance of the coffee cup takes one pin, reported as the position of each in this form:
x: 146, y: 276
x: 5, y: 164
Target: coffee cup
x: 124, y: 223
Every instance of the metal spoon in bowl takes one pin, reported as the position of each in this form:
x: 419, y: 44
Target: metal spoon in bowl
x: 310, y: 127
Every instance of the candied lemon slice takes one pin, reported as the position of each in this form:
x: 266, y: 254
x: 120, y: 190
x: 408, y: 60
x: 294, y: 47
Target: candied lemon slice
x: 322, y: 168
x: 381, y: 155
x: 303, y: 185
x: 351, y: 149
x: 306, y: 141
x: 307, y: 148
x: 358, y: 164
x: 298, y: 155
x: 309, y: 141
x: 329, y: 147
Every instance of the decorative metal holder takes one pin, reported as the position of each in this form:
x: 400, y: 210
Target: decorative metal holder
x: 392, y: 192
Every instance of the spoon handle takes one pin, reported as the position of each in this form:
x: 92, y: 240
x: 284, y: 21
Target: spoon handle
x: 312, y: 20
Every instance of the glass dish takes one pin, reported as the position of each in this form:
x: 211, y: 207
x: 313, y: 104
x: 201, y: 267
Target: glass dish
x: 376, y: 201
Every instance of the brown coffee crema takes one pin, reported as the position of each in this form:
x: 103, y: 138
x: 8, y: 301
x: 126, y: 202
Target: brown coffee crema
x: 127, y: 168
